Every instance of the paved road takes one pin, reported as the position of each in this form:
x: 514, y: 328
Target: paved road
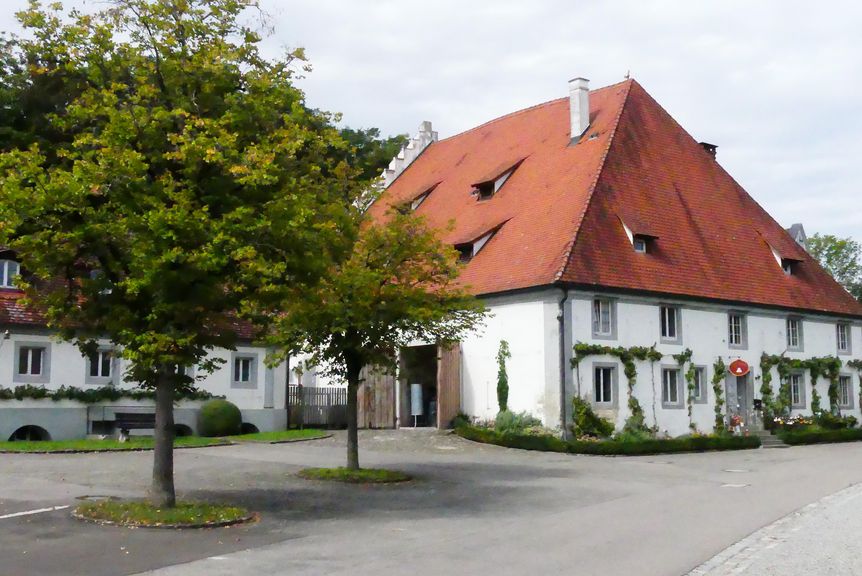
x: 472, y: 509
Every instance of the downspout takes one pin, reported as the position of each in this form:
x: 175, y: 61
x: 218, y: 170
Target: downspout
x: 561, y: 319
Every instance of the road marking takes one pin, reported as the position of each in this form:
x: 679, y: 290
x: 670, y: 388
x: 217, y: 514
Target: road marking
x: 734, y: 485
x: 31, y: 512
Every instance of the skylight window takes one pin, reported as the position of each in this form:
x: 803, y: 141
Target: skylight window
x: 468, y: 250
x: 418, y: 200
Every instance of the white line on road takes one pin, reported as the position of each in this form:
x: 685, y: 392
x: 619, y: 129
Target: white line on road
x: 31, y: 512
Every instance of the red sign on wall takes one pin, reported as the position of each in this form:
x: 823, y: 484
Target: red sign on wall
x: 739, y: 367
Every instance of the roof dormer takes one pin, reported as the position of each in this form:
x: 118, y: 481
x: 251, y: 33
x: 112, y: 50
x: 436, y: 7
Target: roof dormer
x: 640, y: 237
x: 486, y: 189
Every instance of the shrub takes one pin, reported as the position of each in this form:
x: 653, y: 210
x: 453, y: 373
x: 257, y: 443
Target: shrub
x: 220, y: 418
x: 502, y: 376
x: 815, y: 435
x: 633, y: 436
x: 461, y: 419
x: 511, y: 422
x: 831, y: 421
x: 587, y: 423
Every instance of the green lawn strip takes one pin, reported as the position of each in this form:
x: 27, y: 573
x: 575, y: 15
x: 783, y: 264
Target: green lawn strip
x: 278, y: 436
x: 361, y: 476
x: 820, y: 436
x: 144, y: 514
x: 547, y: 443
x: 107, y: 445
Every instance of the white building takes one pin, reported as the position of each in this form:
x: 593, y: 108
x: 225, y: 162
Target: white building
x: 597, y: 219
x: 30, y: 355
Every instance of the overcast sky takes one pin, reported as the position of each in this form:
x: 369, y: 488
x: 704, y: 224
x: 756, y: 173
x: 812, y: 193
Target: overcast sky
x: 776, y: 84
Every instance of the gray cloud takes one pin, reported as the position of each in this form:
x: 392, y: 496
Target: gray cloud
x: 774, y: 83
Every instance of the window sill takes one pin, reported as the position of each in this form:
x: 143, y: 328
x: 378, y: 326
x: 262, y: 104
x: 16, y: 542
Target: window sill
x: 666, y: 406
x: 243, y: 385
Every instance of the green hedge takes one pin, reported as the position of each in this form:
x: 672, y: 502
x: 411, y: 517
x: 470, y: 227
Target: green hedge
x: 804, y: 436
x: 609, y: 447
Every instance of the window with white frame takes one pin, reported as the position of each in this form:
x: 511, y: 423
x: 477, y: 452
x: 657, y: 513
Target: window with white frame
x: 30, y: 360
x: 603, y: 318
x: 603, y: 385
x: 797, y: 399
x: 845, y: 391
x: 9, y: 269
x: 640, y: 244
x: 794, y: 333
x: 100, y: 362
x: 736, y: 337
x: 670, y: 316
x: 670, y: 393
x: 842, y: 332
x: 700, y: 393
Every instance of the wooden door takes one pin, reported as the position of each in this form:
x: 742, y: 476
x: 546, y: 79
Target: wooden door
x: 376, y: 399
x: 448, y: 384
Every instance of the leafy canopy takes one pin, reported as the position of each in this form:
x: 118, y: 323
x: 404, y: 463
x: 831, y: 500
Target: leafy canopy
x: 398, y: 285
x: 172, y: 176
x: 841, y: 257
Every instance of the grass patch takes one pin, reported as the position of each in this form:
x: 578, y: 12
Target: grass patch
x: 361, y: 476
x: 282, y: 435
x: 109, y: 444
x: 547, y: 443
x: 820, y: 436
x: 139, y: 513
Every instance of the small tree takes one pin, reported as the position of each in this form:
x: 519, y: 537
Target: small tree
x: 503, y: 354
x: 396, y: 285
x: 185, y: 178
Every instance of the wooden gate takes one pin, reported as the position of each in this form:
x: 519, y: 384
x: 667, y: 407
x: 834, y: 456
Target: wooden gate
x: 448, y: 384
x: 376, y: 399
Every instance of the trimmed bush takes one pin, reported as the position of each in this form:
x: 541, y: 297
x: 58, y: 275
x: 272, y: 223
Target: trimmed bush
x: 220, y: 418
x: 820, y: 436
x: 608, y: 447
x: 588, y: 423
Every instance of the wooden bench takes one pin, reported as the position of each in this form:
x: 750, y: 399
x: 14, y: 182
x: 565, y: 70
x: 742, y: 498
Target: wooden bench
x: 125, y: 421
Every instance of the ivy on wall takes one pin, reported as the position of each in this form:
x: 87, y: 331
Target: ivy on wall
x: 636, y: 420
x: 828, y: 366
x: 92, y: 395
x: 718, y: 371
x: 682, y: 359
x: 857, y: 365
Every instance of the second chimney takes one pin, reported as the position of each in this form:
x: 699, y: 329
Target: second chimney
x: 579, y: 106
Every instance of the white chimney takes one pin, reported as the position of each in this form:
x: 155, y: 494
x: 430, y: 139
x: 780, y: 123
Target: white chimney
x: 579, y: 106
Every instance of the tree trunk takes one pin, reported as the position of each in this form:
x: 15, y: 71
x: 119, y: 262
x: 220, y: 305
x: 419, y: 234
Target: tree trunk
x: 353, y: 370
x: 162, y: 493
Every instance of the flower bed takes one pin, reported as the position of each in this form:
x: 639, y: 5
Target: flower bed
x: 549, y: 443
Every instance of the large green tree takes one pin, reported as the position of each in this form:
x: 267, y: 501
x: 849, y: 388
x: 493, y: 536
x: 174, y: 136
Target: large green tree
x: 172, y: 177
x: 396, y: 285
x: 841, y: 257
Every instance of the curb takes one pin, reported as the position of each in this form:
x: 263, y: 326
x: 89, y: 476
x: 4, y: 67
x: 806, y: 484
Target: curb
x: 252, y: 517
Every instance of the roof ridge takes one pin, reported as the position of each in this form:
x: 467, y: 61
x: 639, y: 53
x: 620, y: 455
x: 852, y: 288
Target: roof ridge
x: 525, y: 110
x: 567, y: 251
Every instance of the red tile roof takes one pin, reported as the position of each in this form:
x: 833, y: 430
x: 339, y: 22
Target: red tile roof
x: 563, y: 206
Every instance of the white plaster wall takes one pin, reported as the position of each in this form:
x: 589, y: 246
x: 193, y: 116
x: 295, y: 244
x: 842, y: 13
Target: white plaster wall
x: 704, y: 331
x: 528, y: 323
x: 69, y: 368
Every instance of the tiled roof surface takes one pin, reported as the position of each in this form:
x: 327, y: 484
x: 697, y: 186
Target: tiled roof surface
x: 564, y: 205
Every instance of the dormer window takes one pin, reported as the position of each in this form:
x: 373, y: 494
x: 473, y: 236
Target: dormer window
x: 641, y: 237
x: 486, y: 189
x: 467, y: 250
x: 640, y: 244
x: 9, y: 270
x: 418, y: 200
x: 789, y: 266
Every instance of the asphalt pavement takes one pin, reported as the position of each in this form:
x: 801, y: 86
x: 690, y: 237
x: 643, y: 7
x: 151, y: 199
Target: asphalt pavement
x: 471, y: 509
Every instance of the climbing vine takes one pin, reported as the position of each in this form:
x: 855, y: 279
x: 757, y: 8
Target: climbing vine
x: 718, y: 370
x: 682, y: 359
x: 636, y: 420
x: 92, y: 395
x: 828, y: 366
x: 857, y: 365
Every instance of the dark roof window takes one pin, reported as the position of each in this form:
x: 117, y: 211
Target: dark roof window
x: 486, y: 189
